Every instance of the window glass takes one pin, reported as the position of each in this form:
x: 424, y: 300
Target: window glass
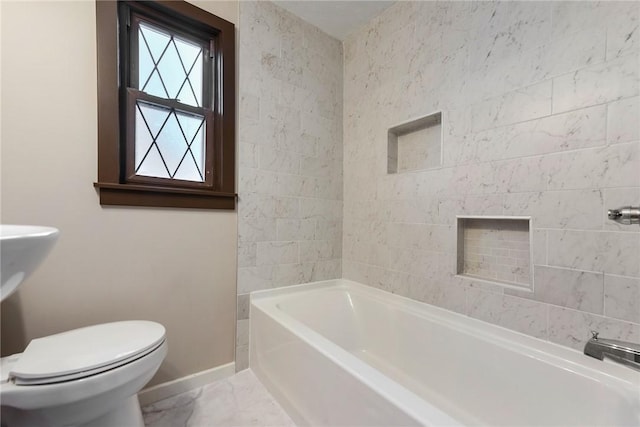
x: 169, y: 67
x: 169, y: 143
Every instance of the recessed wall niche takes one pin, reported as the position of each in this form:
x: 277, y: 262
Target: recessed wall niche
x: 415, y: 145
x: 495, y: 249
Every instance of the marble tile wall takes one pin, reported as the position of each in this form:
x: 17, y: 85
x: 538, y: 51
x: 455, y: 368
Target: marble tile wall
x: 498, y: 250
x: 420, y: 149
x: 540, y: 118
x: 290, y: 156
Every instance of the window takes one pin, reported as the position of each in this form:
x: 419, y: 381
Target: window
x: 166, y: 106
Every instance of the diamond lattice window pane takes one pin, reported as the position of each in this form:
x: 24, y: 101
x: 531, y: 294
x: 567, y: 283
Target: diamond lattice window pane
x: 191, y: 56
x: 186, y: 96
x: 195, y: 131
x: 145, y: 62
x: 143, y: 139
x: 169, y: 143
x: 155, y: 40
x: 153, y: 165
x: 171, y: 71
x: 188, y: 171
x: 193, y: 164
x: 149, y: 122
x: 172, y: 144
x: 155, y: 86
x: 169, y: 67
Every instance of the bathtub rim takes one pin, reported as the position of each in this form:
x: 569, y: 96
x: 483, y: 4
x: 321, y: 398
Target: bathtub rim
x: 408, y: 401
x: 610, y: 373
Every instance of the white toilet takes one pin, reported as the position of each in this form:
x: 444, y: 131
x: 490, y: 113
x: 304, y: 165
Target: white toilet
x: 84, y: 377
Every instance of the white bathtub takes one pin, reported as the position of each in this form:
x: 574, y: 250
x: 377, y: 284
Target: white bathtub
x: 341, y: 353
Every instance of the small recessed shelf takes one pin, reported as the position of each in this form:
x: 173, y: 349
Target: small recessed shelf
x: 495, y: 249
x: 415, y: 145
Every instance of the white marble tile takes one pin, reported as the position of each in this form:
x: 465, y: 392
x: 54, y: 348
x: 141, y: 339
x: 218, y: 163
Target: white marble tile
x: 299, y: 142
x: 436, y: 238
x: 249, y: 155
x: 622, y: 120
x: 329, y: 229
x: 503, y: 30
x: 555, y: 57
x: 291, y: 274
x: 449, y: 208
x: 255, y: 205
x: 242, y: 310
x: 538, y: 104
x: 256, y: 229
x: 447, y: 294
x: 240, y: 400
x: 395, y: 282
x: 249, y: 108
x: 528, y: 103
x: 246, y: 253
x: 421, y: 263
x: 242, y: 358
x: 325, y: 270
x: 597, y: 84
x: 316, y: 250
x: 622, y: 298
x: 320, y: 209
x: 296, y: 185
x: 242, y: 332
x: 279, y: 161
x: 522, y: 315
x: 481, y: 178
x: 526, y: 174
x: 539, y: 247
x: 271, y: 253
x: 610, y: 166
x: 361, y: 272
x: 295, y: 229
x: 622, y: 33
x: 580, y: 290
x: 573, y: 328
x: 577, y: 209
x: 610, y: 252
x: 570, y: 17
x: 571, y: 52
x: 317, y: 166
x: 255, y: 278
x: 256, y: 180
x: 562, y: 132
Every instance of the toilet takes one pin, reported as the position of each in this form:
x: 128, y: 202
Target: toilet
x: 84, y: 377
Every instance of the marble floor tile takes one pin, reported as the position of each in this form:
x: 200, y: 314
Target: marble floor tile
x: 240, y: 400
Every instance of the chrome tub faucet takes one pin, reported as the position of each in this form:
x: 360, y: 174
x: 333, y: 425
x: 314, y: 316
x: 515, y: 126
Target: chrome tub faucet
x: 626, y: 353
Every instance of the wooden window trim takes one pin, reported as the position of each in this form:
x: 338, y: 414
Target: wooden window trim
x: 112, y: 184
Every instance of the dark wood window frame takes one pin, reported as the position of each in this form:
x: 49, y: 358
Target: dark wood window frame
x: 116, y: 183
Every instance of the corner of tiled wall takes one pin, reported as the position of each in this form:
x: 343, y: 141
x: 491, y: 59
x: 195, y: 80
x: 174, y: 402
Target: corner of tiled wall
x: 540, y: 111
x: 540, y: 114
x: 290, y: 156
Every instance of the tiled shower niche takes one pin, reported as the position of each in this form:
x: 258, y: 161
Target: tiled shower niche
x: 495, y: 249
x: 415, y: 145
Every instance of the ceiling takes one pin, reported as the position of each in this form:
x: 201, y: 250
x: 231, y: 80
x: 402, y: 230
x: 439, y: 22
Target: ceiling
x: 336, y: 18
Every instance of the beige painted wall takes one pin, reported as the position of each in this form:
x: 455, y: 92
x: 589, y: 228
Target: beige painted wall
x: 177, y: 267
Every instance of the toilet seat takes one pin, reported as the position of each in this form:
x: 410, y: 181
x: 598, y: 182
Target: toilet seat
x: 85, y: 352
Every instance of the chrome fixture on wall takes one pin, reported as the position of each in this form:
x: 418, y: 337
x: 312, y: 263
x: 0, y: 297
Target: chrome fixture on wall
x: 627, y: 215
x: 627, y: 353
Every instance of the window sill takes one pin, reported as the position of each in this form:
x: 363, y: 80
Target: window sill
x: 166, y: 197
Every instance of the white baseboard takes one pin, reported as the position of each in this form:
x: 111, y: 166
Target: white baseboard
x: 188, y: 383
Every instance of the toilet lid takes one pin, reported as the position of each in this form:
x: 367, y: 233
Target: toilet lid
x: 82, y: 352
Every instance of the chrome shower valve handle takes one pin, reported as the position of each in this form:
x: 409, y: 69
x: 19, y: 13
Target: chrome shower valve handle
x: 626, y: 215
